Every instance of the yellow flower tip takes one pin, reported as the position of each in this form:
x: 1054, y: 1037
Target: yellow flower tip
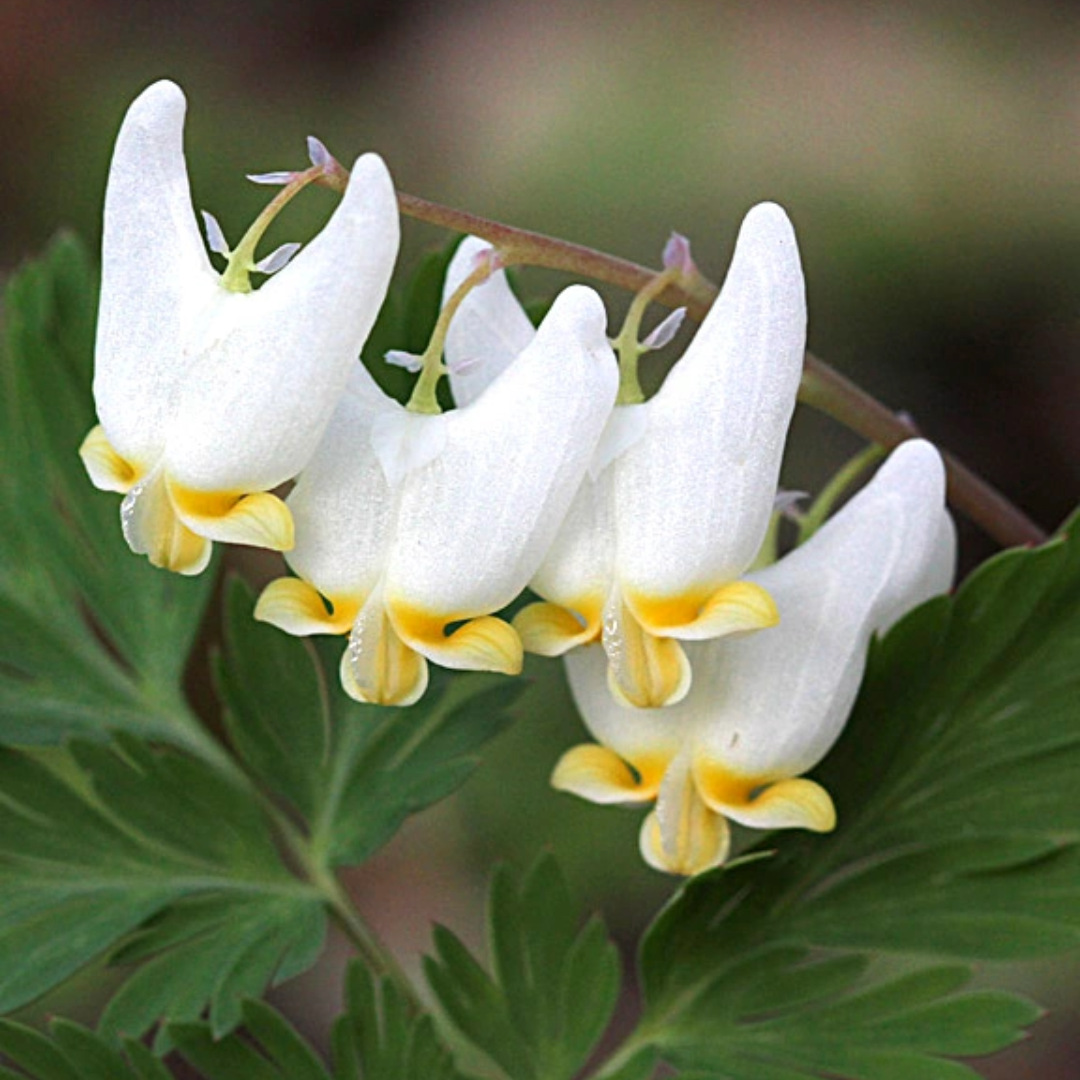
x: 107, y: 470
x: 298, y: 608
x: 378, y: 667
x: 600, y: 775
x: 151, y: 528
x: 649, y: 673
x: 763, y: 804
x: 552, y: 630
x: 259, y: 520
x: 702, y: 843
x: 182, y: 552
x: 399, y: 677
x: 735, y: 608
x: 481, y: 644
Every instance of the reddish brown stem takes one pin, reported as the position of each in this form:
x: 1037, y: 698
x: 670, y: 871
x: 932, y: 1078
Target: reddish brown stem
x: 823, y: 387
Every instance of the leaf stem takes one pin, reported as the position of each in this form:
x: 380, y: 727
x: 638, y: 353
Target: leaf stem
x: 823, y: 387
x: 378, y: 959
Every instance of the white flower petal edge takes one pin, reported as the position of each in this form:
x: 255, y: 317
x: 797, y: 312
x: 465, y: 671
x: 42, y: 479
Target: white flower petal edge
x: 766, y: 708
x: 208, y: 398
x: 487, y: 331
x: 410, y: 524
x: 674, y: 512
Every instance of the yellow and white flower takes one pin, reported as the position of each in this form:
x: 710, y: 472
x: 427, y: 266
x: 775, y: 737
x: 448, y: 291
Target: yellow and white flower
x: 766, y: 708
x: 414, y: 527
x: 679, y: 495
x: 209, y: 394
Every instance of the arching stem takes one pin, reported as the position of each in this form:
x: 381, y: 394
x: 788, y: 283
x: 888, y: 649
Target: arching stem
x: 823, y: 387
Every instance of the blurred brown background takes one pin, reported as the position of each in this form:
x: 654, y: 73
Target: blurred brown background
x: 927, y: 153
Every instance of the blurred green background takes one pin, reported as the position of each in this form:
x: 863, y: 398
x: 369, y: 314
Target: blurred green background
x: 929, y: 155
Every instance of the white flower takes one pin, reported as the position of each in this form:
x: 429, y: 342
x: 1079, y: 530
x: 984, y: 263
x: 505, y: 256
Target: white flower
x: 679, y: 495
x: 209, y: 397
x: 410, y: 523
x: 766, y: 708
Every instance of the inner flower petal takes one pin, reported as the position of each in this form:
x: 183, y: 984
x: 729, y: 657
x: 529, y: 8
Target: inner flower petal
x: 644, y: 671
x: 152, y: 528
x: 377, y: 666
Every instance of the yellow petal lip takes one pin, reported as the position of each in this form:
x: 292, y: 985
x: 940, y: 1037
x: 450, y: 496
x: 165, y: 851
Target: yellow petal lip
x: 734, y: 608
x: 484, y: 643
x: 763, y: 802
x: 554, y: 629
x: 600, y: 775
x: 296, y: 607
x: 108, y: 471
x: 259, y: 519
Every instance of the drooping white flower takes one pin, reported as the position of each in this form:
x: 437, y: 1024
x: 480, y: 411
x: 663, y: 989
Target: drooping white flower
x: 209, y: 397
x: 766, y: 708
x: 680, y: 492
x: 414, y: 528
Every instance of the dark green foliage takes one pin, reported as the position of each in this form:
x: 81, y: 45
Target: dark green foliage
x: 959, y: 824
x: 354, y: 772
x: 378, y: 1037
x: 123, y: 843
x: 92, y: 638
x: 70, y: 1052
x: 552, y: 984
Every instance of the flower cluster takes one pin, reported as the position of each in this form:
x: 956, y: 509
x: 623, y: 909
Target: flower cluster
x: 711, y: 683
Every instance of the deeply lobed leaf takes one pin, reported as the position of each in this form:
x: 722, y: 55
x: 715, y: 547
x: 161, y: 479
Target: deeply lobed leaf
x: 552, y: 986
x: 114, y: 841
x: 91, y: 639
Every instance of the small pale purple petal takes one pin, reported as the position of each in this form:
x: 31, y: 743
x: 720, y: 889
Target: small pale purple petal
x: 214, y: 236
x: 786, y: 502
x: 320, y: 157
x: 271, y: 178
x: 278, y: 259
x: 677, y: 254
x: 665, y: 331
x: 465, y: 366
x: 407, y: 360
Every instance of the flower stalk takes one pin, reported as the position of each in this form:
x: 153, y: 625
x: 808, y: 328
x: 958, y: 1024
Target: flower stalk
x: 823, y: 387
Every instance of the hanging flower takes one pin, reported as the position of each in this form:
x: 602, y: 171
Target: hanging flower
x: 414, y: 527
x: 210, y: 394
x: 679, y: 495
x: 764, y: 709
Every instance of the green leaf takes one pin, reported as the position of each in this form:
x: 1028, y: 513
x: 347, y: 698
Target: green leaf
x: 268, y: 1049
x: 551, y: 988
x: 92, y: 638
x: 379, y: 1037
x: 354, y: 772
x: 71, y: 1052
x: 149, y: 856
x: 959, y: 812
